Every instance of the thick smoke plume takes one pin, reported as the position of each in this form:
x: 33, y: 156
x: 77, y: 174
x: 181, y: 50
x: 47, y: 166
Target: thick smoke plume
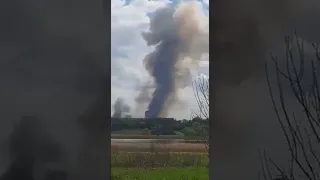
x: 120, y: 108
x: 181, y: 38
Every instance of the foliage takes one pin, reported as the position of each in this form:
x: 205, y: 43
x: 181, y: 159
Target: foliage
x: 161, y: 126
x: 189, y: 131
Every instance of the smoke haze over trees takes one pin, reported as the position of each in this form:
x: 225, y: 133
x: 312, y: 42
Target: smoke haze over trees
x: 120, y: 108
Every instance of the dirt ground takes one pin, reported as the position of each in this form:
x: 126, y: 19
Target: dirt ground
x: 159, y: 147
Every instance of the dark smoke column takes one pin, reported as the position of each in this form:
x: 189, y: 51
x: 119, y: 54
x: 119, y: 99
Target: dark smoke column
x: 179, y: 42
x: 160, y: 63
x: 163, y: 70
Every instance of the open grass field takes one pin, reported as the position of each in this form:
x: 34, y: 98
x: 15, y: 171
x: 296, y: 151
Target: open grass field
x: 141, y: 136
x: 158, y: 147
x: 159, y: 161
x: 169, y: 173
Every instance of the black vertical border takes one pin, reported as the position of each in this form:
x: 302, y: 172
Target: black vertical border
x: 218, y: 9
x: 105, y: 26
x: 97, y: 117
x: 106, y: 5
x: 215, y: 10
x: 212, y: 24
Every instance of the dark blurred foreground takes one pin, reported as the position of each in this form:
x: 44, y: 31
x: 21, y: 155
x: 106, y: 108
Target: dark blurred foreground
x: 28, y: 144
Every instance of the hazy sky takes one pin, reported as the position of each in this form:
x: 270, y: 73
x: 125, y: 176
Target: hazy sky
x: 128, y: 20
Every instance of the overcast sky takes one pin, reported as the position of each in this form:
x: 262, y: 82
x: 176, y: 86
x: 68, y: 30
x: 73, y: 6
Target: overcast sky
x: 128, y: 19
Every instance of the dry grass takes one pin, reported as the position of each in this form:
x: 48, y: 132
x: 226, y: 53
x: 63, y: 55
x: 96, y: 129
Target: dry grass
x: 141, y: 136
x: 147, y: 147
x: 159, y: 155
x: 144, y: 161
x: 158, y: 159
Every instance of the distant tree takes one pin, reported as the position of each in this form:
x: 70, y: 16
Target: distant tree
x: 196, y: 119
x: 127, y: 116
x: 201, y: 94
x: 200, y: 129
x: 189, y: 131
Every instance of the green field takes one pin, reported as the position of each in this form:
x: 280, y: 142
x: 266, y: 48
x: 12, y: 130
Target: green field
x: 162, y: 159
x: 159, y: 166
x: 168, y: 173
x: 158, y: 159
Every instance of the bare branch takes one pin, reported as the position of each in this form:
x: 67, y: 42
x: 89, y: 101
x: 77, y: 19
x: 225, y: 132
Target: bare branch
x: 302, y: 135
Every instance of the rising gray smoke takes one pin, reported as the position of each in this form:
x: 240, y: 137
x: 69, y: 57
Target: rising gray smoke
x: 180, y: 38
x: 120, y: 108
x: 242, y: 35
